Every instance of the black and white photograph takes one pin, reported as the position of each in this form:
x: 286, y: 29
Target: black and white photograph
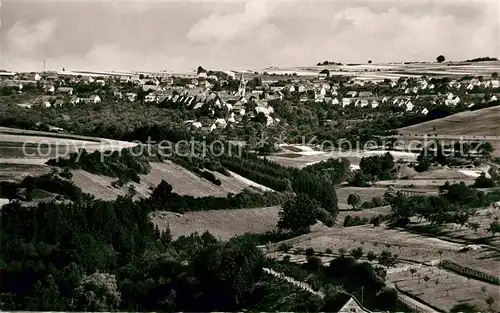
x: 250, y: 156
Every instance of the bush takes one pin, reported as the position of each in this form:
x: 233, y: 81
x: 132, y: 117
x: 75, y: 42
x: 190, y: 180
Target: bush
x: 483, y: 182
x: 328, y: 251
x: 314, y: 262
x: 377, y: 201
x: 371, y: 256
x: 285, y: 247
x: 309, y: 251
x: 66, y: 173
x: 367, y: 205
x: 210, y: 177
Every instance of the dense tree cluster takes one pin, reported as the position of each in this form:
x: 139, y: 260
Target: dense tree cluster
x: 49, y: 182
x: 299, y: 214
x: 317, y: 181
x: 455, y: 204
x: 343, y: 274
x: 373, y: 168
x: 125, y: 164
x: 452, y: 155
x: 162, y: 198
x: 104, y: 256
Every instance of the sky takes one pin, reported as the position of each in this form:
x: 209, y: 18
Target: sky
x: 149, y: 35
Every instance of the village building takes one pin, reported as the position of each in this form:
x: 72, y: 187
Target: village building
x: 65, y: 90
x: 345, y: 303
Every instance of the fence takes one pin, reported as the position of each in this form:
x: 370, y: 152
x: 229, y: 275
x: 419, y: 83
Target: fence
x: 469, y: 272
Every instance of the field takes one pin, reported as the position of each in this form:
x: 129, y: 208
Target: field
x: 183, y: 182
x: 299, y: 160
x: 408, y: 246
x: 22, y: 146
x: 471, y: 125
x: 223, y: 224
x: 445, y: 289
x: 483, y: 218
x: 228, y: 223
x: 17, y: 172
x: 483, y: 122
x: 396, y: 70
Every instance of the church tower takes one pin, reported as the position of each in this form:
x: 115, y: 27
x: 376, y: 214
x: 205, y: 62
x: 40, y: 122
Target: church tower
x: 242, y: 87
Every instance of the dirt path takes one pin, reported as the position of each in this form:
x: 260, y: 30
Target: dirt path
x: 302, y: 285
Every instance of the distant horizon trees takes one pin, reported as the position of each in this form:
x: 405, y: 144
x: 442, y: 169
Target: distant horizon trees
x: 440, y: 58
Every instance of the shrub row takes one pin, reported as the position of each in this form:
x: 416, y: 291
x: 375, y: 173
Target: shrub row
x: 468, y: 272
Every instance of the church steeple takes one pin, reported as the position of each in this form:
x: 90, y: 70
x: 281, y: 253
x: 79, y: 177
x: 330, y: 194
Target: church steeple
x: 242, y: 87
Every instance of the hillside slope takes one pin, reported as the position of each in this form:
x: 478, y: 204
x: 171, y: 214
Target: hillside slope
x: 483, y: 122
x: 183, y: 182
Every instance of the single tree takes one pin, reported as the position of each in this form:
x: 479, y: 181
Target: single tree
x: 353, y: 199
x: 371, y: 256
x: 97, y: 292
x: 440, y: 59
x: 489, y: 301
x: 342, y: 252
x: 494, y: 228
x: 357, y: 253
x: 387, y: 259
x: 298, y: 214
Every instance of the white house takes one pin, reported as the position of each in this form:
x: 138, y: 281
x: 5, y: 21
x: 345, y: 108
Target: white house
x: 202, y: 75
x: 351, y: 94
x: 150, y: 97
x: 266, y: 110
x: 374, y: 104
x: 335, y: 101
x: 454, y: 100
x: 198, y: 105
x: 346, y: 102
x: 221, y: 122
x: 74, y: 100
x: 409, y: 106
x: 495, y: 83
x: 95, y: 99
x: 66, y: 90
x: 364, y: 103
x: 49, y: 88
x: 493, y: 98
x: 131, y: 96
x: 345, y: 303
x: 269, y: 121
x: 425, y: 111
x: 384, y: 100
